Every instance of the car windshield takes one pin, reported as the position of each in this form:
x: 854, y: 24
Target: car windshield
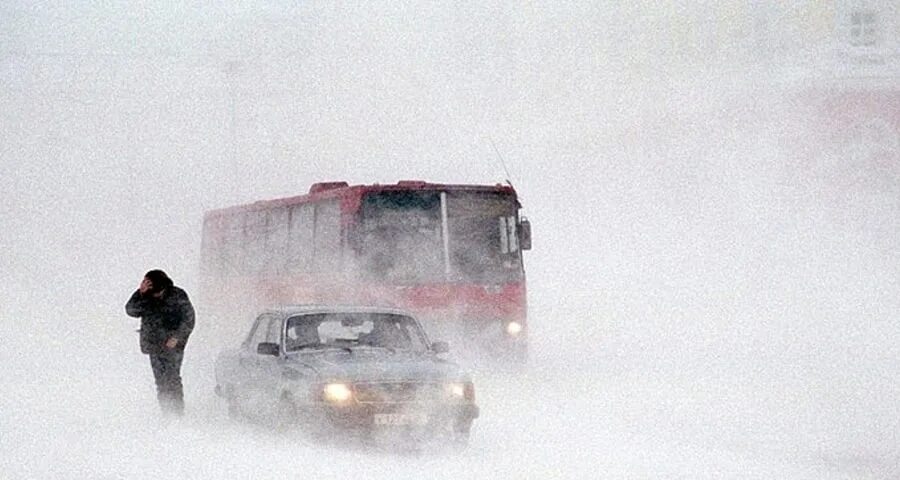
x: 354, y: 329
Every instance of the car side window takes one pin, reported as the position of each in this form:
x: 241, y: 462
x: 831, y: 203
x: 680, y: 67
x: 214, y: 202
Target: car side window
x: 273, y: 332
x: 259, y: 333
x: 413, y: 334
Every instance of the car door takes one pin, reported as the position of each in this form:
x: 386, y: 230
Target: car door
x: 249, y: 362
x: 268, y: 367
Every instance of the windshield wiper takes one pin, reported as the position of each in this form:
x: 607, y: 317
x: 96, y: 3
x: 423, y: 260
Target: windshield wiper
x: 320, y: 346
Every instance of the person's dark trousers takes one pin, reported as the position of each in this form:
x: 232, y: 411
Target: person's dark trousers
x: 167, y: 372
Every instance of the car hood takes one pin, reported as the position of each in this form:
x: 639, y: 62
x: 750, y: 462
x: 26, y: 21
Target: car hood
x: 363, y: 365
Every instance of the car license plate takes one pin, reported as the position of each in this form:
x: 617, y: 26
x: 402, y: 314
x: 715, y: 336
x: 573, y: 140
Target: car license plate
x: 401, y: 419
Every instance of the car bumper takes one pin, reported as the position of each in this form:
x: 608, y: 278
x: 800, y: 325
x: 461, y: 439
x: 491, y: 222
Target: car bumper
x: 372, y: 419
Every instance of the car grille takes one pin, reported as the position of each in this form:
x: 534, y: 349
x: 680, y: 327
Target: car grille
x: 398, y: 392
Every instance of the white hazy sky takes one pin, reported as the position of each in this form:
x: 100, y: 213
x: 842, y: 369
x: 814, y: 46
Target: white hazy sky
x: 737, y: 309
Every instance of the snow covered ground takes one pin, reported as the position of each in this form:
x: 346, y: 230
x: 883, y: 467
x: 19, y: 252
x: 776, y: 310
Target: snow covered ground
x: 78, y: 402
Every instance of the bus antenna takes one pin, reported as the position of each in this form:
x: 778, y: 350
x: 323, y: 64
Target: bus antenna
x: 502, y: 162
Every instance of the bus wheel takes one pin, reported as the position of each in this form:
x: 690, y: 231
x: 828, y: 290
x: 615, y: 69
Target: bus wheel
x: 462, y: 431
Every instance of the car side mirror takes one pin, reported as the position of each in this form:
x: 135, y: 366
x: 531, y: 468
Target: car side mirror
x: 266, y: 348
x: 440, y: 347
x: 525, y: 234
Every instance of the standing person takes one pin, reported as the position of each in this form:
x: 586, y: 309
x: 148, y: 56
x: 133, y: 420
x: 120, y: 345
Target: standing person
x: 167, y: 319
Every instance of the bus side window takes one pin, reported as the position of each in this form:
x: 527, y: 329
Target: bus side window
x: 232, y: 239
x: 276, y: 239
x: 254, y: 241
x: 300, y: 238
x: 328, y: 236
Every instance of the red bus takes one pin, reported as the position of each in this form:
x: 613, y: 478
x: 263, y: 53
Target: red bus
x: 451, y: 254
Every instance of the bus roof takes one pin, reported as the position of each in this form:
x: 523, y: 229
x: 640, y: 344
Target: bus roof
x: 329, y: 190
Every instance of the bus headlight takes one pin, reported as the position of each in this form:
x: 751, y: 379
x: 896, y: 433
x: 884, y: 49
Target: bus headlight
x: 513, y: 328
x: 460, y: 391
x: 337, y: 392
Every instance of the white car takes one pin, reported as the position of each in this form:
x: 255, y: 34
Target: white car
x: 363, y: 371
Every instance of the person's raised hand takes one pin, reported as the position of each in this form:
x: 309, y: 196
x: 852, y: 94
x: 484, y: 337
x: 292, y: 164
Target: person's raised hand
x: 146, y: 286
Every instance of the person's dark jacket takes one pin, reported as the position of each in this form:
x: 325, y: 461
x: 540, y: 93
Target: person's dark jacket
x: 162, y: 318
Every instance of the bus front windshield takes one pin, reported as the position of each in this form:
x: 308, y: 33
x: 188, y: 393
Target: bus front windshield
x: 401, y: 237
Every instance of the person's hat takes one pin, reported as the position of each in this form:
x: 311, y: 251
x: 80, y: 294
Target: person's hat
x: 160, y: 280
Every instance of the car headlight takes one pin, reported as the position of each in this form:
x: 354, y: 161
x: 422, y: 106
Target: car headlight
x: 459, y: 391
x: 513, y: 328
x: 456, y: 390
x: 337, y: 392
